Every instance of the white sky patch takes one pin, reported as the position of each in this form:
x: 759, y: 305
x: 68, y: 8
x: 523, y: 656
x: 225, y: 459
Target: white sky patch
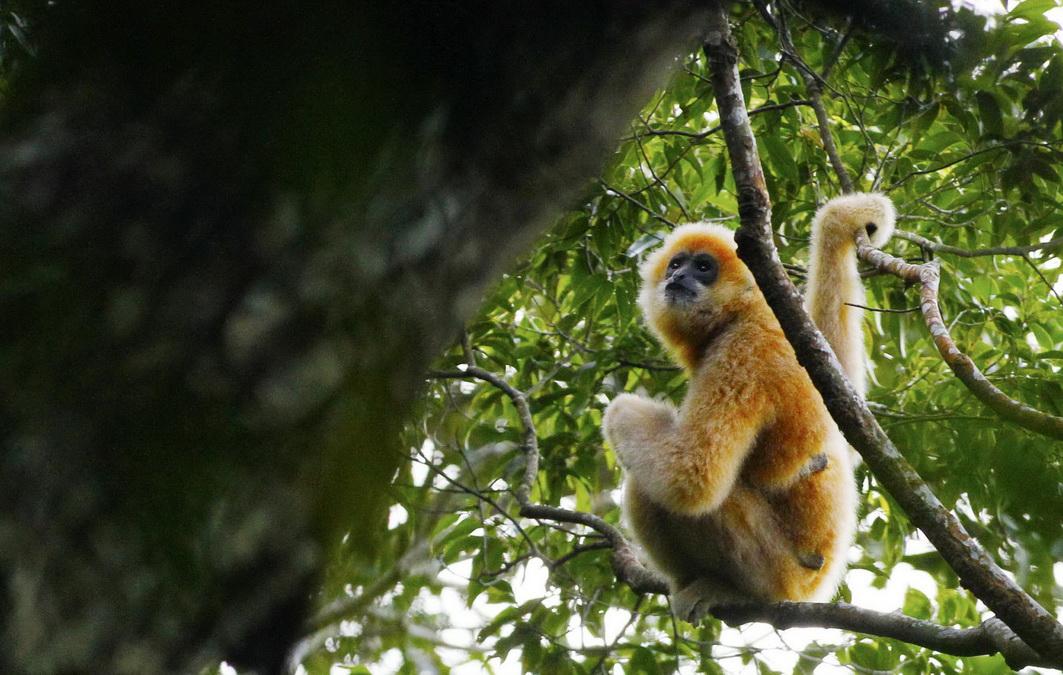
x: 441, y: 483
x: 390, y: 661
x: 917, y: 544
x: 418, y: 469
x: 457, y: 573
x: 531, y: 582
x: 397, y: 515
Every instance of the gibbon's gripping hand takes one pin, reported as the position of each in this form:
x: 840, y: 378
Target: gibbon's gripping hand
x: 633, y: 425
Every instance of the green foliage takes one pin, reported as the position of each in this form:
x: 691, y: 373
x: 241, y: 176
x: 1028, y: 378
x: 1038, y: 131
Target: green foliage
x: 968, y: 152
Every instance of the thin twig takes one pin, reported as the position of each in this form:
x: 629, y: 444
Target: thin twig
x: 628, y: 198
x: 934, y: 169
x: 815, y: 93
x: 884, y: 310
x: 531, y: 439
x: 934, y: 246
x: 702, y: 135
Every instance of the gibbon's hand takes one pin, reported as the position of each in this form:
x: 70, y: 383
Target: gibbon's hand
x: 632, y: 423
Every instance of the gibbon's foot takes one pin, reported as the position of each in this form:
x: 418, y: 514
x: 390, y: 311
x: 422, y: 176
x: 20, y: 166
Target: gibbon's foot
x: 692, y: 602
x: 815, y: 465
x: 812, y: 561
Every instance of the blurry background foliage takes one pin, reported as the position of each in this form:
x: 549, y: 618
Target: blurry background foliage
x: 969, y: 150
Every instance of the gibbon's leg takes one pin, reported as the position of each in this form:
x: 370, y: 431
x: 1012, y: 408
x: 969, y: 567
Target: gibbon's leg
x: 687, y: 464
x: 760, y: 563
x: 812, y: 502
x: 820, y: 512
x: 761, y: 547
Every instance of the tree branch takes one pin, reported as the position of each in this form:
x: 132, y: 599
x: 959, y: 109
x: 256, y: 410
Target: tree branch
x: 928, y: 276
x: 628, y: 198
x: 815, y: 94
x: 989, y: 638
x: 940, y: 167
x: 975, y: 568
x: 702, y: 135
x: 923, y: 242
x: 520, y: 402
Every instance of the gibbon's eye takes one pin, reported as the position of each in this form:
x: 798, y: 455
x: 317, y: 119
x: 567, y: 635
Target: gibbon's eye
x: 871, y: 228
x: 674, y: 265
x: 706, y: 268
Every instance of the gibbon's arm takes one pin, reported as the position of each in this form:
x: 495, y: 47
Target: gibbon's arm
x: 834, y: 284
x: 686, y: 462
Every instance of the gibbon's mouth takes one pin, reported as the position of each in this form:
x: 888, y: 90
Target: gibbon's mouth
x: 677, y: 292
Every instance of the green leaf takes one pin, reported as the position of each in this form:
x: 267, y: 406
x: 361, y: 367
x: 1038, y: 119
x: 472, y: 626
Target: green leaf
x: 916, y: 604
x: 989, y: 113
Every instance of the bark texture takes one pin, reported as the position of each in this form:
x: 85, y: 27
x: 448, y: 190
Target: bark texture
x: 233, y: 237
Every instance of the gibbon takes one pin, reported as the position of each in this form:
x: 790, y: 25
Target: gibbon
x: 746, y: 492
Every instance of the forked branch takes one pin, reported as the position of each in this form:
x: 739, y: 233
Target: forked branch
x: 928, y: 276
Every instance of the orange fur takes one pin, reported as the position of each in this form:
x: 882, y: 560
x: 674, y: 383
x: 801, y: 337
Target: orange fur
x: 718, y: 492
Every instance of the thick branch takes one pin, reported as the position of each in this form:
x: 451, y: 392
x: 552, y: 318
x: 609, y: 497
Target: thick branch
x: 975, y: 568
x: 984, y: 639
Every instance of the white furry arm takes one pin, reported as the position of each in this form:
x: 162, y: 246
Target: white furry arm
x: 633, y: 424
x: 834, y: 287
x: 686, y: 464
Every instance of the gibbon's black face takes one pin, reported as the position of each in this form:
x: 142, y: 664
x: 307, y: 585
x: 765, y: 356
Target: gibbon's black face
x: 687, y: 274
x: 871, y: 229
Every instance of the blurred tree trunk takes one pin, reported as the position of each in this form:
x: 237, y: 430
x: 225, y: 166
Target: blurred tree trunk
x: 233, y: 238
